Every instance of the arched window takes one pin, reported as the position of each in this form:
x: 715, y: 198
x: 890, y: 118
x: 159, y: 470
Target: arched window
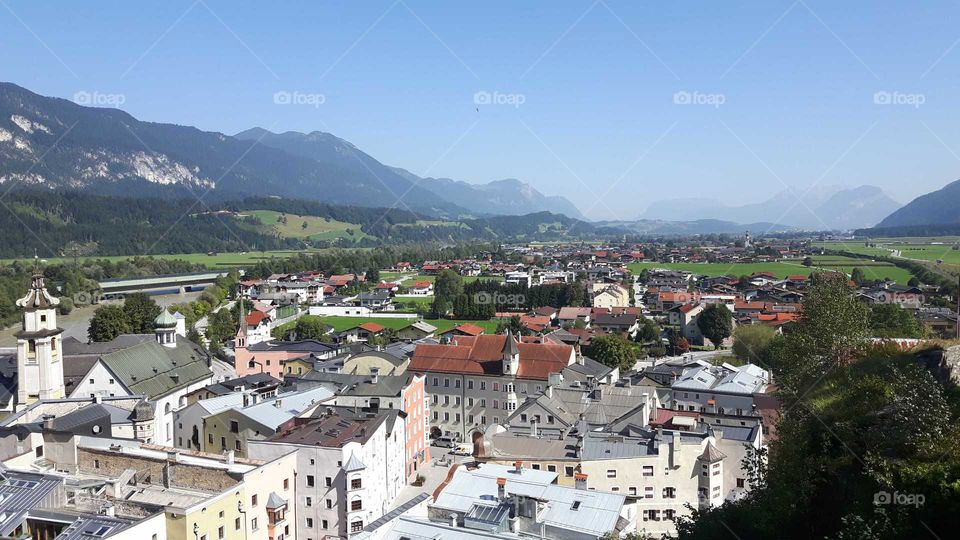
x: 251, y: 364
x: 166, y: 409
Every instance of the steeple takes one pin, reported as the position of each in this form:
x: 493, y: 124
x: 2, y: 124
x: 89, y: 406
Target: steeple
x: 511, y: 355
x: 39, y: 348
x: 241, y: 341
x: 165, y: 328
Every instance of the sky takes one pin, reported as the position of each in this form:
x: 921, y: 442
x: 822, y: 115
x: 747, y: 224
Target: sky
x: 612, y: 104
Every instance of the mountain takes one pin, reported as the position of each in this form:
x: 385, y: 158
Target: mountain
x: 938, y: 207
x: 699, y: 226
x: 825, y: 207
x: 106, y: 150
x: 509, y: 196
x: 500, y: 197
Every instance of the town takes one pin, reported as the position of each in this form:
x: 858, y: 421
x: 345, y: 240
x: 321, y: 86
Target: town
x: 557, y: 391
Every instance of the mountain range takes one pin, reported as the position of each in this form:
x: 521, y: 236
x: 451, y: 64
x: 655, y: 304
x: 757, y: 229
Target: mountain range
x: 814, y: 209
x: 58, y: 144
x: 935, y: 208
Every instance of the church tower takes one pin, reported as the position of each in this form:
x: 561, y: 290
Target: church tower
x: 39, y: 346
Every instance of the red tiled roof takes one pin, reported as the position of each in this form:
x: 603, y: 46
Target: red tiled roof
x: 371, y: 327
x: 255, y: 317
x: 469, y: 329
x: 385, y: 285
x: 482, y: 355
x: 421, y: 285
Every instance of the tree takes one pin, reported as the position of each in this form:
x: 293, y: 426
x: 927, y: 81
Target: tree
x: 913, y: 282
x: 807, y: 261
x: 858, y: 277
x: 751, y: 343
x: 513, y: 325
x: 107, y: 323
x: 310, y: 327
x: 648, y: 332
x: 220, y: 327
x: 892, y: 321
x: 304, y: 225
x: 140, y: 311
x: 612, y: 350
x: 715, y: 323
x: 373, y: 275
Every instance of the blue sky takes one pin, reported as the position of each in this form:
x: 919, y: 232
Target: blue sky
x: 784, y: 92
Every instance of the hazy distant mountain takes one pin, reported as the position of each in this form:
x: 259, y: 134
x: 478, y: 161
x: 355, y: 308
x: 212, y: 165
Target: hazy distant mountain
x: 509, y: 196
x: 700, y: 226
x: 824, y: 207
x: 500, y: 197
x: 106, y: 150
x: 938, y: 207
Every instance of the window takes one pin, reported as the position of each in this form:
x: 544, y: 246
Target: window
x: 669, y: 493
x: 483, y: 385
x: 323, y: 524
x: 286, y: 483
x: 496, y: 404
x: 469, y: 385
x: 329, y: 504
x: 309, y: 523
x: 483, y: 403
x: 223, y: 443
x: 469, y: 402
x: 253, y: 500
x: 456, y: 401
x: 309, y: 501
x: 234, y: 426
x: 496, y: 387
x: 356, y: 526
x: 253, y: 524
x: 436, y: 399
x: 633, y: 490
x: 552, y: 468
x: 446, y: 417
x: 457, y: 418
x: 92, y: 382
x: 236, y: 524
x: 740, y: 483
x: 669, y: 514
x: 446, y: 401
x: 436, y: 381
x: 568, y: 471
x: 536, y: 466
x: 549, y: 418
x: 356, y: 483
x: 236, y: 444
x: 220, y: 532
x: 210, y: 438
x: 648, y: 492
x: 456, y: 383
x: 310, y: 480
x: 611, y: 473
x: 327, y: 481
x: 523, y: 418
x: 356, y: 505
x: 648, y: 470
x: 446, y: 383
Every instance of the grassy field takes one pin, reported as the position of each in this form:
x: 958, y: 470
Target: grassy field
x: 340, y: 324
x: 872, y: 270
x: 926, y: 249
x: 317, y: 228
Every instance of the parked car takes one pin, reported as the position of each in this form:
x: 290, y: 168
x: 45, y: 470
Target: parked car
x: 444, y: 442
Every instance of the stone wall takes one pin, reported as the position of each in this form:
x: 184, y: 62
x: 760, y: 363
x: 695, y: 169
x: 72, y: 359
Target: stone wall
x: 160, y: 472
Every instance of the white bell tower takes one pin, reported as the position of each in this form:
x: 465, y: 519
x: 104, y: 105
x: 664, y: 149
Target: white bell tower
x: 39, y: 346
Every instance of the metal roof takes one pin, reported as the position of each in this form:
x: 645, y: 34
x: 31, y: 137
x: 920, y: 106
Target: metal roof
x: 153, y: 370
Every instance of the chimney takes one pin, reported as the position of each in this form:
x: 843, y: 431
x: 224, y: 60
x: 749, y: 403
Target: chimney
x: 580, y: 481
x: 518, y: 466
x: 501, y: 488
x: 108, y: 510
x: 166, y: 475
x: 48, y: 421
x: 374, y: 375
x: 549, y: 392
x: 579, y: 356
x: 173, y: 455
x: 453, y: 520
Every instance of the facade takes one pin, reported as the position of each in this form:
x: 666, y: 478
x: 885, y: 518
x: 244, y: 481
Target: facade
x: 269, y: 356
x: 350, y: 468
x: 39, y: 346
x: 477, y: 381
x: 724, y: 389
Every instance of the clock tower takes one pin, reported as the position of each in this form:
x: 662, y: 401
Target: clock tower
x: 39, y: 346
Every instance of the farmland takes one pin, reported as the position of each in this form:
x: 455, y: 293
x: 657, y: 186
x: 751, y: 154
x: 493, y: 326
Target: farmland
x: 307, y: 227
x: 781, y: 269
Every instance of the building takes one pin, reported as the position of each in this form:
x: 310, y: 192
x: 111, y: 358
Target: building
x: 476, y: 381
x: 231, y: 429
x: 723, y: 389
x: 606, y: 295
x: 39, y: 346
x: 350, y: 468
x: 269, y: 356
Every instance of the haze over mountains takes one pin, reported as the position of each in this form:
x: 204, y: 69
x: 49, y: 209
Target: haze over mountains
x: 823, y: 207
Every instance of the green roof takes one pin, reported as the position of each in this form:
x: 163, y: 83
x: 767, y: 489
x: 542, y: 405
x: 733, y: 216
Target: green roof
x: 165, y: 320
x: 153, y: 370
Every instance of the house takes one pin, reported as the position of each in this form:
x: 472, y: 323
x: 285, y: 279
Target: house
x: 350, y: 465
x: 420, y: 288
x: 568, y: 316
x: 609, y: 296
x: 377, y: 300
x: 269, y: 356
x: 465, y: 329
x: 165, y: 374
x: 257, y: 325
x: 617, y: 324
x: 262, y: 384
x: 362, y: 332
x: 723, y: 389
x: 417, y: 330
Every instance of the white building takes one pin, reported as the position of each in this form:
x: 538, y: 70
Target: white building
x: 39, y: 347
x: 350, y: 468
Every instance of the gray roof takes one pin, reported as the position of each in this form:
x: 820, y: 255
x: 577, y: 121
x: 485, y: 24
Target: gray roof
x: 360, y: 385
x: 154, y: 370
x: 711, y: 454
x: 275, y: 501
x: 21, y: 492
x: 292, y: 404
x: 747, y: 379
x: 354, y: 464
x: 396, y: 512
x: 606, y: 446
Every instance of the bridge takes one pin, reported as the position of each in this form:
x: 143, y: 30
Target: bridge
x: 171, y: 283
